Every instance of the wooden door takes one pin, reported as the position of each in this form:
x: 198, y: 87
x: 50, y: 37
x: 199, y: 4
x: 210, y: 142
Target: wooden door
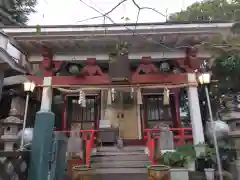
x: 128, y: 124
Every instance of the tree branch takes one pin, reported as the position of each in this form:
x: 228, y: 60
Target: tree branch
x: 106, y: 15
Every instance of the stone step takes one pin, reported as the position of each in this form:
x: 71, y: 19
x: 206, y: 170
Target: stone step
x: 124, y: 149
x: 117, y: 153
x: 118, y: 171
x: 120, y: 164
x: 121, y: 157
x: 117, y: 174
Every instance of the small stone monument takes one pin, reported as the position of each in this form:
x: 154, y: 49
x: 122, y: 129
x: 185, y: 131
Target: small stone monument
x: 165, y: 138
x: 74, y: 147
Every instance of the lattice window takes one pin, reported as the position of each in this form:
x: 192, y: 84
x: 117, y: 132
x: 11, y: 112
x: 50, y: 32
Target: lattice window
x: 154, y: 111
x: 84, y: 117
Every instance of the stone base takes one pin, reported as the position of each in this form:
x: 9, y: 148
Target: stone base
x: 179, y: 174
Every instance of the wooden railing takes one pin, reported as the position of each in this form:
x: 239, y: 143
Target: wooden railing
x: 150, y: 137
x: 14, y: 165
x: 88, y: 136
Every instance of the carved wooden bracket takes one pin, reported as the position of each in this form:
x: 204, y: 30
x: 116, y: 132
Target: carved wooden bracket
x: 91, y: 69
x: 48, y: 66
x: 146, y: 66
x: 188, y: 62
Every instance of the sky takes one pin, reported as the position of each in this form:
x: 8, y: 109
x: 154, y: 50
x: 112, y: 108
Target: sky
x: 60, y: 12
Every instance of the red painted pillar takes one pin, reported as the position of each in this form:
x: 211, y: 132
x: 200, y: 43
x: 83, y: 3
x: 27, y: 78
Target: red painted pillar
x: 177, y: 117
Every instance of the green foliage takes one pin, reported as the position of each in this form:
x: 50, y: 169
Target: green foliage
x: 226, y: 69
x: 19, y: 9
x: 187, y: 150
x: 209, y: 10
x: 225, y: 65
x: 180, y: 157
x: 175, y: 159
x: 184, y: 154
x: 210, y: 154
x: 120, y: 49
x: 38, y: 29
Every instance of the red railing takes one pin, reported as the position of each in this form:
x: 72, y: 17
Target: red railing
x: 150, y: 145
x: 89, y: 137
x: 151, y: 139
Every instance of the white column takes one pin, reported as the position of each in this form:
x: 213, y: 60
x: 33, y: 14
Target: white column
x: 46, y: 103
x: 194, y: 108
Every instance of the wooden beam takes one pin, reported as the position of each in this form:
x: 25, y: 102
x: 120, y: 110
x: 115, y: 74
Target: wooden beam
x: 72, y: 80
x: 173, y: 79
x: 68, y: 81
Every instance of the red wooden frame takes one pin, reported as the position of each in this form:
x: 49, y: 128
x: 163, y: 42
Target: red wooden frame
x: 171, y: 79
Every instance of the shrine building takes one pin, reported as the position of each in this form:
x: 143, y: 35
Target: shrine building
x: 119, y: 76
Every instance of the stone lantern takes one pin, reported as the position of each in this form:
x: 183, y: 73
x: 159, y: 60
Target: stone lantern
x: 232, y: 117
x: 11, y: 127
x: 12, y: 124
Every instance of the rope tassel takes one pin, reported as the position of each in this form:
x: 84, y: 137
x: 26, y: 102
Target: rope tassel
x: 109, y: 97
x: 139, y: 96
x: 83, y: 99
x: 166, y: 96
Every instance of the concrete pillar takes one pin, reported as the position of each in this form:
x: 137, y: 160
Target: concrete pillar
x: 3, y: 41
x: 42, y: 136
x: 3, y: 44
x: 195, y: 114
x: 1, y: 82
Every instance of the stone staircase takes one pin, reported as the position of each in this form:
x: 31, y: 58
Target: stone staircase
x: 127, y: 163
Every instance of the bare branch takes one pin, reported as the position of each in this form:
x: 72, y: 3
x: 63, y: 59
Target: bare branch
x: 134, y: 31
x: 102, y: 15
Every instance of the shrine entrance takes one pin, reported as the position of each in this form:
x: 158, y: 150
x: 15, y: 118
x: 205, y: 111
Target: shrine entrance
x: 122, y: 113
x: 128, y: 125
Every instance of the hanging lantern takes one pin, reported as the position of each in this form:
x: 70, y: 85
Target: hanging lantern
x: 73, y: 69
x: 132, y: 92
x: 113, y: 94
x: 82, y: 99
x: 164, y: 67
x: 166, y: 96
